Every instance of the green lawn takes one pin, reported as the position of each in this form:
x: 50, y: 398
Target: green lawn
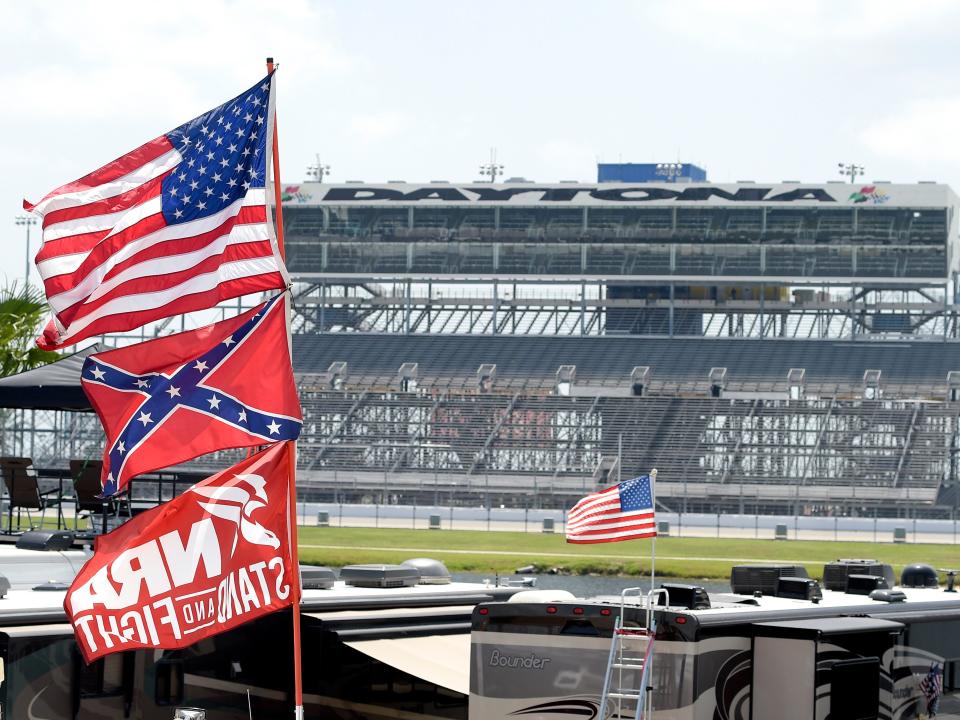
x: 478, y: 551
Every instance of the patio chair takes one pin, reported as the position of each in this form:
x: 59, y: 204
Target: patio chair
x: 23, y: 492
x: 86, y: 488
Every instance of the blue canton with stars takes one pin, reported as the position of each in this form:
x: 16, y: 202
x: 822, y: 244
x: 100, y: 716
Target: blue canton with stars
x: 636, y: 494
x: 163, y: 395
x: 224, y: 154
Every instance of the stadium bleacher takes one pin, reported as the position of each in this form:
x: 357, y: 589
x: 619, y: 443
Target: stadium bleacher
x: 844, y: 405
x: 611, y: 359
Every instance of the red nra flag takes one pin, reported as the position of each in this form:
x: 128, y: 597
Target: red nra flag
x: 169, y: 400
x: 213, y: 558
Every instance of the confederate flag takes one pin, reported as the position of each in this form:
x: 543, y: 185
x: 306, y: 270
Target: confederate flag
x: 209, y: 560
x: 165, y: 401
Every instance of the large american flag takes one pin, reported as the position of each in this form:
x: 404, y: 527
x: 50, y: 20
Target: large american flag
x: 177, y: 225
x: 622, y: 512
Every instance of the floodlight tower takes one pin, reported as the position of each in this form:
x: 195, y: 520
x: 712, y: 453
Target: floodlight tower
x: 851, y: 170
x: 669, y: 171
x: 318, y: 170
x: 27, y: 221
x: 493, y: 168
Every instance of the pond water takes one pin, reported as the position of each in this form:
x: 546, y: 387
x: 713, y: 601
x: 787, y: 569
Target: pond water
x: 591, y: 585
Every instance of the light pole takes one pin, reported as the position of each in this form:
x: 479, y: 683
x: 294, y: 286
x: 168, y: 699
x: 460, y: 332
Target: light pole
x: 493, y: 168
x: 670, y: 171
x: 26, y: 221
x: 851, y: 170
x: 318, y: 170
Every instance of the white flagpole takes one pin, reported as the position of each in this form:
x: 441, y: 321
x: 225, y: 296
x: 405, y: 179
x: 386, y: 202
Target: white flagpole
x: 653, y: 545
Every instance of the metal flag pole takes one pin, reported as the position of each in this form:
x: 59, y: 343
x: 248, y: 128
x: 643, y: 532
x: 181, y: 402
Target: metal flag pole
x: 653, y: 544
x: 291, y: 447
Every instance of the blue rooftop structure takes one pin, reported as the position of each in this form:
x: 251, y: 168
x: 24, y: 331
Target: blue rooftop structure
x: 650, y: 172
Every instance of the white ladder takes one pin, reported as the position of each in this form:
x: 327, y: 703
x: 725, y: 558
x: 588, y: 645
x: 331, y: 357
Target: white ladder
x: 628, y: 666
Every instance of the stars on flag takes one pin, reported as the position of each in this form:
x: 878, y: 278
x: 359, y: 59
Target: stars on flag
x: 227, y: 137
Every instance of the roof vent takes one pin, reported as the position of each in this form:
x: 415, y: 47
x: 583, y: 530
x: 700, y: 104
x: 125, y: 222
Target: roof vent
x: 432, y: 572
x: 50, y: 540
x: 380, y: 576
x: 919, y: 576
x: 315, y: 577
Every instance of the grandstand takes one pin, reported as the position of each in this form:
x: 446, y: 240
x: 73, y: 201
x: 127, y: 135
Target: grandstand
x: 769, y: 348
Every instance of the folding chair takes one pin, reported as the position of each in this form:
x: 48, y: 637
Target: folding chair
x: 86, y: 488
x: 23, y: 490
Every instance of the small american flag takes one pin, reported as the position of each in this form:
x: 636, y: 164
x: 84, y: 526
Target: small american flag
x: 622, y: 512
x: 177, y: 225
x: 932, y: 684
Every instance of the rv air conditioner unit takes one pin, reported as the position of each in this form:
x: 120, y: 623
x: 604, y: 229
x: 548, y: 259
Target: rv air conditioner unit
x: 835, y: 574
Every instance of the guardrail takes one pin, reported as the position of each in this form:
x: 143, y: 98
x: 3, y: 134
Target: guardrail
x: 760, y: 527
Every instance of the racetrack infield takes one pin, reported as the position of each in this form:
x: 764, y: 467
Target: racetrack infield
x: 503, y: 552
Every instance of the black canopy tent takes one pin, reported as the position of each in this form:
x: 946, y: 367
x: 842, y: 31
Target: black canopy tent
x: 52, y: 387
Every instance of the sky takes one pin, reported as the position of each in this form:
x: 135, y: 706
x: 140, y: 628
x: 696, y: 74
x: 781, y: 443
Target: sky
x: 422, y: 90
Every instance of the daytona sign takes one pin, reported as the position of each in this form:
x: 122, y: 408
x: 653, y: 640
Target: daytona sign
x: 213, y: 558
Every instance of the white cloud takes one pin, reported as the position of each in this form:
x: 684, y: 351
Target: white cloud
x: 762, y: 28
x: 922, y: 133
x: 379, y: 126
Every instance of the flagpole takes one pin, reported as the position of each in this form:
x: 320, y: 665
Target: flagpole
x: 653, y: 544
x: 291, y: 448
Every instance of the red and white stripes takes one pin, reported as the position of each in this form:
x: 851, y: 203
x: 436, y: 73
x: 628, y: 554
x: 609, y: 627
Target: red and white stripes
x: 111, y: 262
x: 599, y: 518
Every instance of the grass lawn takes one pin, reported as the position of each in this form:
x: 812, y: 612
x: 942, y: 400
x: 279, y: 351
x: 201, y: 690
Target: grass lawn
x: 479, y: 551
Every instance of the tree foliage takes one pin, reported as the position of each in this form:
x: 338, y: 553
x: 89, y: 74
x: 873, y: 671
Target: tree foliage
x: 22, y: 314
